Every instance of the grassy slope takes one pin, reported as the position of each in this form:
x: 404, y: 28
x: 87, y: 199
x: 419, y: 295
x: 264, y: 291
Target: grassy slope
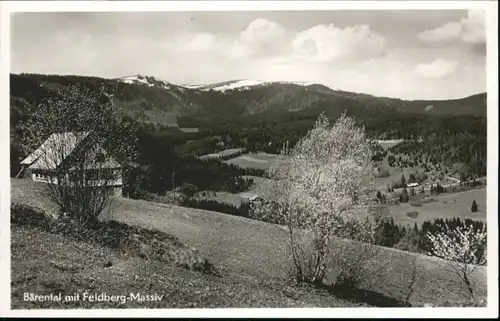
x: 80, y: 268
x: 254, y: 160
x: 252, y: 250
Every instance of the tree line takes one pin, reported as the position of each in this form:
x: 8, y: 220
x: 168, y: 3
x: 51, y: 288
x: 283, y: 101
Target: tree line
x: 414, y: 238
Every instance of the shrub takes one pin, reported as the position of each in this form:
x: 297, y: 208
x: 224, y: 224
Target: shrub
x: 353, y: 266
x: 413, y: 214
x: 212, y: 205
x: 428, y: 200
x: 383, y: 173
x: 28, y: 216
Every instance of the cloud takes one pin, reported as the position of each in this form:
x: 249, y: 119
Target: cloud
x: 70, y: 36
x: 201, y: 42
x: 449, y: 31
x: 261, y: 38
x: 439, y: 68
x: 474, y: 27
x: 268, y: 39
x: 326, y: 43
x: 469, y: 30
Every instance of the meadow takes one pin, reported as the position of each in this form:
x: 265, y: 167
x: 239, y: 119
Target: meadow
x: 389, y: 143
x: 254, y: 160
x: 446, y: 205
x: 221, y: 197
x: 226, y: 152
x: 394, y: 176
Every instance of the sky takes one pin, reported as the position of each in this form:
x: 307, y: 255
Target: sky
x: 413, y: 54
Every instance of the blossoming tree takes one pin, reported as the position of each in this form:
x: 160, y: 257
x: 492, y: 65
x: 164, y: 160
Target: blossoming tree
x: 463, y: 248
x: 320, y: 189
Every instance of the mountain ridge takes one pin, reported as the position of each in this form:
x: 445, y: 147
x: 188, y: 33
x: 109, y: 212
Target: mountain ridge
x: 151, y: 100
x: 247, y: 83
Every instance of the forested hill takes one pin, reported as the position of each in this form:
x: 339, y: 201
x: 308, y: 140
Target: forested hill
x: 149, y: 100
x: 262, y: 117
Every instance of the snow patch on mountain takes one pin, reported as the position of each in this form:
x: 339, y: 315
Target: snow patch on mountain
x: 136, y: 79
x: 239, y: 84
x: 145, y: 80
x: 298, y: 83
x: 194, y: 86
x: 246, y: 84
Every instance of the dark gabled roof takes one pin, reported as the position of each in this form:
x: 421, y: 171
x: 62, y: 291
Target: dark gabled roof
x: 55, y: 149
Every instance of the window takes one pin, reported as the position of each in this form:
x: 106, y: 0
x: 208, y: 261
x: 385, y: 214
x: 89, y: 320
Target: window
x: 100, y: 158
x: 92, y: 175
x: 108, y: 174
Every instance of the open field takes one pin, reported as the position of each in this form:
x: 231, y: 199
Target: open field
x: 252, y: 251
x: 221, y: 197
x: 225, y: 152
x: 446, y: 205
x: 395, y: 176
x: 258, y: 160
x: 259, y: 188
x: 189, y: 130
x: 261, y: 185
x: 389, y: 143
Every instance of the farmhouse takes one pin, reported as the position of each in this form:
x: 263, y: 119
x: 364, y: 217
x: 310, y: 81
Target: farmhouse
x: 59, y: 152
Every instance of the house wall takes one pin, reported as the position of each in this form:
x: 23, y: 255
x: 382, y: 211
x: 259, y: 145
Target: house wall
x: 38, y: 177
x: 117, y: 191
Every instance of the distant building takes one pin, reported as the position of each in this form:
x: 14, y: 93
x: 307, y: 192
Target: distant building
x: 252, y: 197
x: 42, y: 164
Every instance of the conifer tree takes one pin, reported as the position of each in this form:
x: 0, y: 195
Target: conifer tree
x: 474, y: 207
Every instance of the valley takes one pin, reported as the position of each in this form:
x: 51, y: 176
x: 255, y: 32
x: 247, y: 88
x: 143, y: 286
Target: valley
x: 203, y: 155
x: 225, y: 125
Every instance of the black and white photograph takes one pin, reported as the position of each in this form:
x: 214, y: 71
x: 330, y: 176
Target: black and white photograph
x: 249, y: 155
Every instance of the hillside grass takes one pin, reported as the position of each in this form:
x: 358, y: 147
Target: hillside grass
x: 44, y: 263
x: 252, y: 251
